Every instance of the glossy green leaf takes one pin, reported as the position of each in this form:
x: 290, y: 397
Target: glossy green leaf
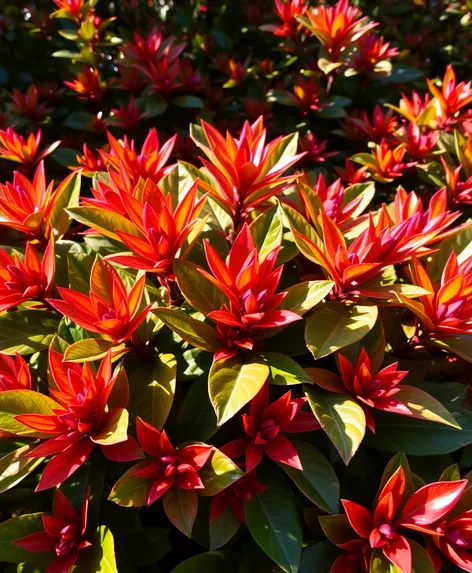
x: 88, y: 350
x: 114, y: 428
x: 218, y: 473
x: 15, y: 466
x: 17, y: 528
x: 317, y: 480
x: 223, y: 528
x: 197, y: 333
x: 394, y: 433
x: 15, y: 402
x: 318, y: 558
x: 27, y: 331
x: 274, y: 522
x: 233, y: 383
x: 211, y: 562
x: 461, y: 344
x: 181, y: 507
x: 267, y: 231
x: 334, y: 325
x: 284, y: 371
x: 424, y: 406
x: 153, y: 390
x: 341, y: 418
x: 105, y: 222
x: 199, y: 292
x: 302, y: 297
x: 67, y: 196
x: 100, y: 557
x: 131, y: 490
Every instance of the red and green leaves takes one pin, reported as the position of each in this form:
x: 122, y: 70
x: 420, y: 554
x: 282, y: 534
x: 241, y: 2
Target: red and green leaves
x: 177, y: 476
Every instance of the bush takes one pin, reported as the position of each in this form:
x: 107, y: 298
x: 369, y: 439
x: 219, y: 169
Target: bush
x: 235, y: 279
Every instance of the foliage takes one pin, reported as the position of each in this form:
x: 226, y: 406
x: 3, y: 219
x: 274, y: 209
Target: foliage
x: 235, y: 280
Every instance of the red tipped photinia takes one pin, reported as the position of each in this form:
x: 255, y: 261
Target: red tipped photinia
x: 91, y: 411
x: 144, y: 51
x: 246, y: 171
x: 109, y: 309
x: 332, y: 199
x: 250, y: 286
x: 287, y: 11
x: 265, y: 425
x: 371, y: 51
x: 64, y: 534
x: 233, y: 497
x: 15, y: 147
x: 419, y: 145
x: 381, y: 126
x: 28, y: 104
x: 164, y: 230
x: 451, y: 99
x: 372, y: 389
x: 306, y: 95
x: 451, y: 539
x: 447, y: 311
x: 458, y: 191
x: 28, y: 279
x: 337, y: 27
x: 149, y: 163
x: 169, y: 467
x: 380, y: 245
x: 14, y: 373
x: 26, y: 205
x: 421, y: 510
x: 385, y: 163
x: 88, y: 84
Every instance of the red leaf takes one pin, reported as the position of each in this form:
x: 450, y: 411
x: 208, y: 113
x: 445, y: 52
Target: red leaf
x: 398, y: 552
x: 359, y: 518
x: 432, y: 502
x: 65, y: 464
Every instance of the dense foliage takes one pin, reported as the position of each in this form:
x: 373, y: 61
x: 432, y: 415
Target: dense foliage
x: 235, y: 286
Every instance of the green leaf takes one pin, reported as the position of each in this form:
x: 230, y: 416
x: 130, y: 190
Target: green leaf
x: 17, y: 528
x: 199, y: 292
x: 211, y: 562
x: 460, y: 243
x: 274, y: 522
x: 223, y: 528
x: 181, y: 507
x: 395, y: 433
x: 88, y: 350
x: 152, y: 392
x: 421, y: 561
x: 461, y: 344
x: 106, y: 222
x: 380, y: 564
x: 114, y: 429
x: 218, y: 473
x: 318, y: 558
x: 131, y: 490
x: 267, y: 232
x: 27, y: 331
x: 424, y: 406
x: 196, y: 419
x: 100, y: 557
x: 334, y: 325
x: 317, y: 480
x: 15, y: 466
x: 197, y: 333
x: 16, y: 402
x: 233, y: 383
x: 304, y: 296
x: 68, y: 196
x: 341, y: 418
x: 284, y: 371
x: 187, y: 101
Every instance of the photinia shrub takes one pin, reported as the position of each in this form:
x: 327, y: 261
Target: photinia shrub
x: 235, y: 286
